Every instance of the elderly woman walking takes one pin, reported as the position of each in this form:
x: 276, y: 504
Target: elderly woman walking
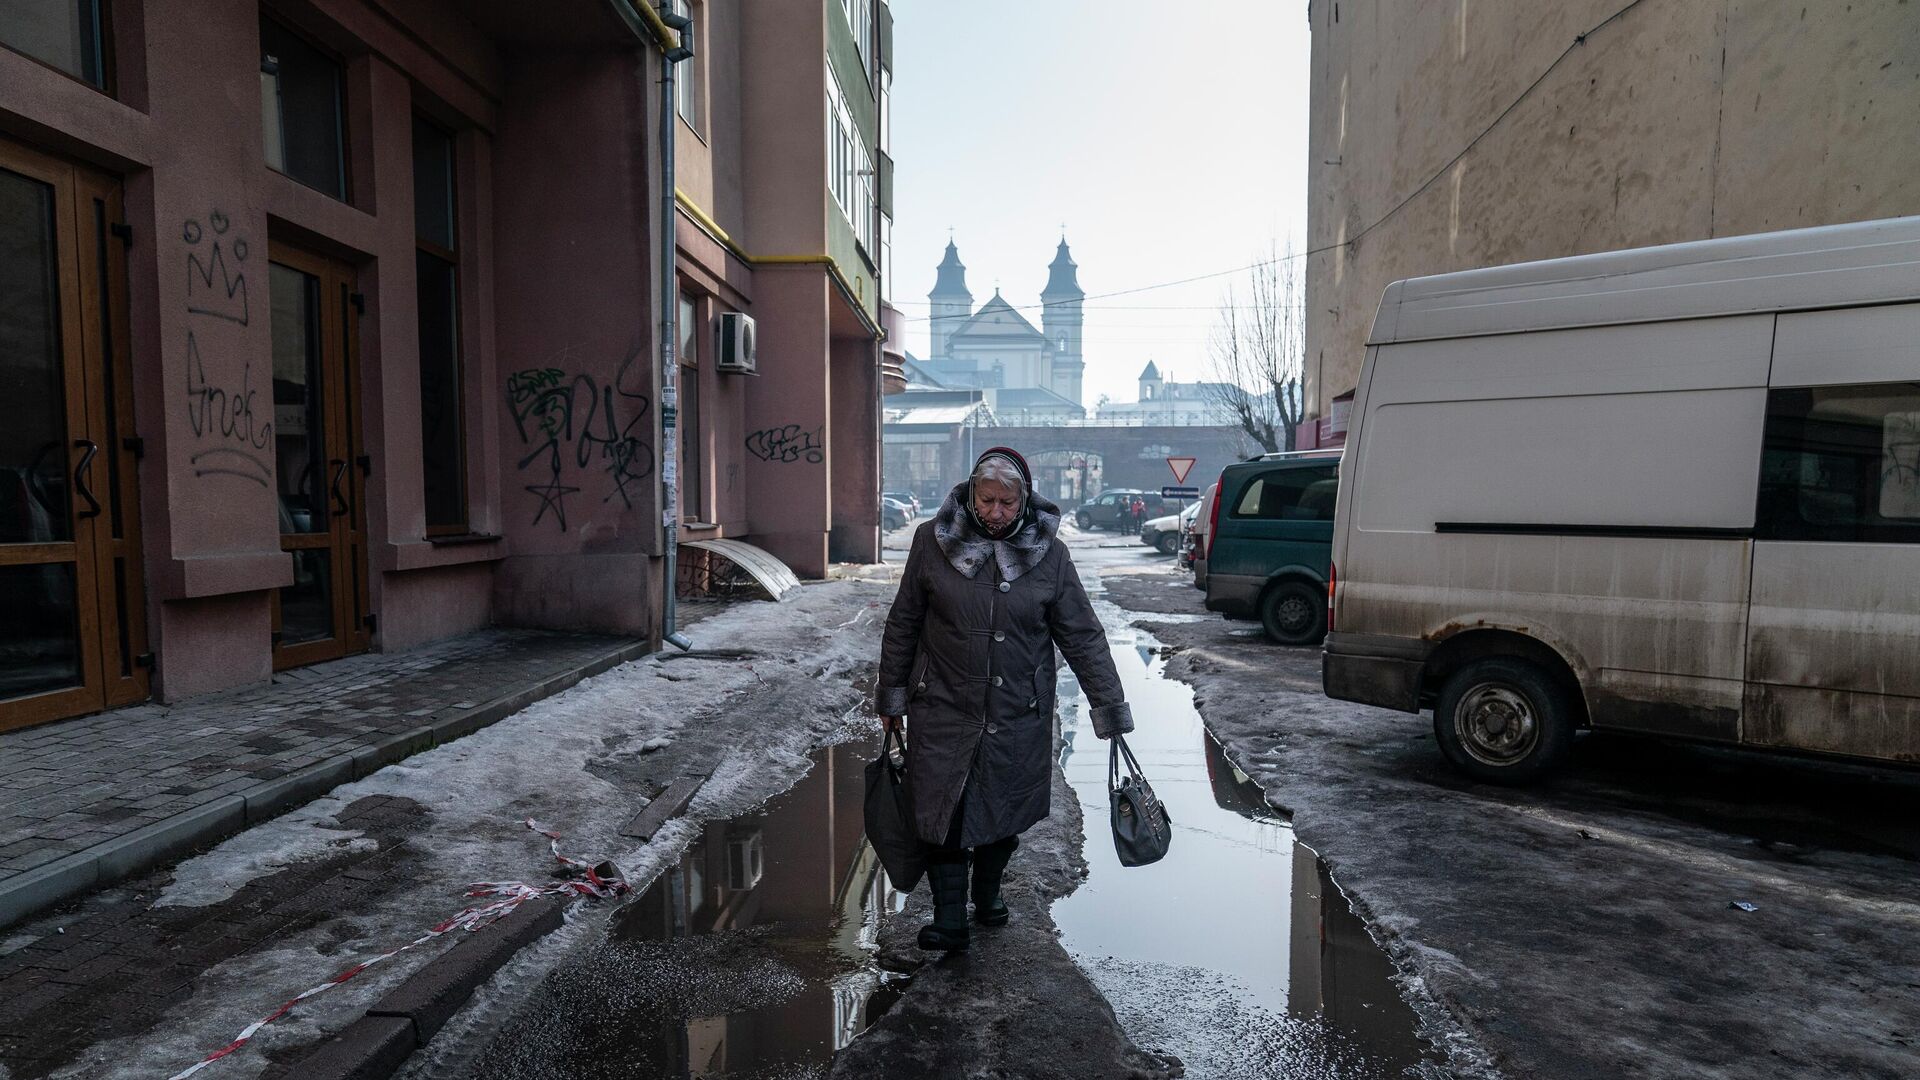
x: 969, y: 655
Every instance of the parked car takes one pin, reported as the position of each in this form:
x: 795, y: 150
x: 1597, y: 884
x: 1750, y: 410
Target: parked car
x: 1196, y: 552
x: 906, y: 498
x: 1110, y: 510
x: 1164, y: 533
x: 1271, y: 539
x: 894, y: 514
x: 1673, y: 490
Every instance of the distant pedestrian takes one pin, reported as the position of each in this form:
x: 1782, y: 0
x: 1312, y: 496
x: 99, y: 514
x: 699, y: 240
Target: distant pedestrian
x: 968, y: 654
x: 1139, y: 509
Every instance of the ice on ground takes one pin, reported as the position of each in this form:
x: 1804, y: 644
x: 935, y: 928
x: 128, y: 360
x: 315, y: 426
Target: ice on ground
x: 221, y: 872
x: 478, y: 791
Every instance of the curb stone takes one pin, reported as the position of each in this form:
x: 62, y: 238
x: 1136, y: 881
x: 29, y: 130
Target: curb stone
x: 114, y: 860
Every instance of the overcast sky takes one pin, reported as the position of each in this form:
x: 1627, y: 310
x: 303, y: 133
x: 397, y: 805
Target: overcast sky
x: 1169, y: 138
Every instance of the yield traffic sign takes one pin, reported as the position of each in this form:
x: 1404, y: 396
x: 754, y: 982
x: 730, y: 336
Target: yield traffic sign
x: 1181, y: 466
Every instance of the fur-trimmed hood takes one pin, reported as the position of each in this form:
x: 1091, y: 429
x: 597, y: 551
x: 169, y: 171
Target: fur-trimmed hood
x: 967, y: 548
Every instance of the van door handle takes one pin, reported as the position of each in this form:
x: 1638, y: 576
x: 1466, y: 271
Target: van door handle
x: 80, y: 476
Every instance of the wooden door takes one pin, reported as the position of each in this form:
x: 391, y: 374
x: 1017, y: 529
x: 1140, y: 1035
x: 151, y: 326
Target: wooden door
x: 319, y: 464
x: 72, y: 626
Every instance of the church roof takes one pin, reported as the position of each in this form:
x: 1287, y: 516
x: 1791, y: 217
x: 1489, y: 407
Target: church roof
x: 997, y: 318
x: 1152, y: 372
x: 1061, y: 277
x: 1033, y: 397
x: 952, y: 279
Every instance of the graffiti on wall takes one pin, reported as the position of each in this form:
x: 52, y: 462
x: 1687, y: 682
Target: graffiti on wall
x: 789, y: 442
x: 575, y: 427
x: 224, y: 410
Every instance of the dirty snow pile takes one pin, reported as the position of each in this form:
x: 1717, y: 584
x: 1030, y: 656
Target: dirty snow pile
x: 546, y: 763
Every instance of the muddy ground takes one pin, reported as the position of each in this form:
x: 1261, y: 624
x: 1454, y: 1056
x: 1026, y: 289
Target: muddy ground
x: 1584, y: 927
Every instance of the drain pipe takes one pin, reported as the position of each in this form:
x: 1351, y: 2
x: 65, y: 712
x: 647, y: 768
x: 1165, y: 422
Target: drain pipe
x: 670, y: 326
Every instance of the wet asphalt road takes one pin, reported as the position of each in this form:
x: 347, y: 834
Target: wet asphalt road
x: 1583, y: 927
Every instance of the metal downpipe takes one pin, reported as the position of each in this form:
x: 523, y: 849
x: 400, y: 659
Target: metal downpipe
x: 669, y: 329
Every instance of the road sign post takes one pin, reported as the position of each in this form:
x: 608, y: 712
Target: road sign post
x: 1179, y: 492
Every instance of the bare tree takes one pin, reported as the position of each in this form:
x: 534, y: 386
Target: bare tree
x: 1257, y: 348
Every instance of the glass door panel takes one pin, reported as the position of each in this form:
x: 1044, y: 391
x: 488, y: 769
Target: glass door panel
x: 321, y: 615
x: 51, y: 489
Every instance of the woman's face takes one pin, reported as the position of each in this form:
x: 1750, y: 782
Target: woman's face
x: 996, y: 505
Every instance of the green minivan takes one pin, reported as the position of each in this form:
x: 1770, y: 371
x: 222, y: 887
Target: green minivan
x: 1271, y: 542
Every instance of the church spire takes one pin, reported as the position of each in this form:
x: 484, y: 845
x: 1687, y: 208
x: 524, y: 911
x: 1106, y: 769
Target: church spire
x: 1062, y: 278
x: 952, y: 279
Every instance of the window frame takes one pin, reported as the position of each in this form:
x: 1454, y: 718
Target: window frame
x: 1779, y: 507
x: 339, y: 111
x: 692, y: 463
x: 104, y: 53
x: 451, y: 256
x: 1259, y: 482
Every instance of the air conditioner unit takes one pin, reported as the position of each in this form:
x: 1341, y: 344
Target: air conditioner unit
x: 736, y: 344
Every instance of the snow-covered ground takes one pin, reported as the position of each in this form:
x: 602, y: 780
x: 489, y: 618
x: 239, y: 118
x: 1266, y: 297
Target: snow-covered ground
x: 578, y: 763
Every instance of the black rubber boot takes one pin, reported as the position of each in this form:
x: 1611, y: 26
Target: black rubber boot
x: 947, y: 879
x: 989, y: 867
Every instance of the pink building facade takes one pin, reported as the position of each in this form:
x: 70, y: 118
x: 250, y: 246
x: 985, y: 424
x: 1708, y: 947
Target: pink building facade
x: 333, y: 325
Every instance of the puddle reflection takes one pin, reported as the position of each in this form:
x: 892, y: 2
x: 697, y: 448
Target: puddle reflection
x: 750, y: 958
x: 1236, y: 952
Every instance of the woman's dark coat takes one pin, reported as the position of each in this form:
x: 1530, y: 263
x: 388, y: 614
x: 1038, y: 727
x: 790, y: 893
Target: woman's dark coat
x: 968, y: 657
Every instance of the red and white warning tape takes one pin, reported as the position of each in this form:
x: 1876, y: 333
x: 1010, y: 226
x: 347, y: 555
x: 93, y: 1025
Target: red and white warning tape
x: 601, y: 881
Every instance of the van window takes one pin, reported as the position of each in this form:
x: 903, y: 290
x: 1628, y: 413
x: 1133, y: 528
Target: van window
x: 1842, y: 463
x: 1305, y: 494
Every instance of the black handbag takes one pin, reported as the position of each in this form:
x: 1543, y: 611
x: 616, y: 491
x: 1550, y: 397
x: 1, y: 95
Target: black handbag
x: 889, y: 813
x: 1141, y: 828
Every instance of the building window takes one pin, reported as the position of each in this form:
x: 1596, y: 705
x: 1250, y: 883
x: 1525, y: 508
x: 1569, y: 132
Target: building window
x: 860, y: 18
x: 300, y: 110
x: 437, y: 266
x: 688, y: 77
x: 692, y: 461
x: 1842, y: 464
x: 850, y: 176
x: 64, y: 34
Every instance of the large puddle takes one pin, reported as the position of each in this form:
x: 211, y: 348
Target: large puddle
x: 751, y: 959
x: 1236, y: 952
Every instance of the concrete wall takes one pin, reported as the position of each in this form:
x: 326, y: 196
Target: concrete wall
x: 551, y: 130
x: 579, y: 373
x: 1675, y: 121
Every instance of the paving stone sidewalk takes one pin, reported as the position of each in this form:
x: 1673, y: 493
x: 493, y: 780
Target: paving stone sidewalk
x: 88, y: 801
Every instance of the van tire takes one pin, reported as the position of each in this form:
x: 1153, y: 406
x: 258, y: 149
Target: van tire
x: 1503, y: 690
x: 1084, y: 520
x: 1166, y: 543
x: 1294, y: 613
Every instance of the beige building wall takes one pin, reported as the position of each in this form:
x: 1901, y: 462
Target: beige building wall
x: 1676, y: 120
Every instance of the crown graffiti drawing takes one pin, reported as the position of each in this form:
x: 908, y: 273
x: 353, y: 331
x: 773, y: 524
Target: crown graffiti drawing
x: 213, y: 288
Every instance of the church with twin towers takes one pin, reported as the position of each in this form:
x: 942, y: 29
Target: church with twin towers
x: 996, y: 347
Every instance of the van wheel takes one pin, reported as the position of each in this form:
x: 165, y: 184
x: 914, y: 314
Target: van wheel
x: 1294, y: 613
x: 1166, y: 543
x: 1504, y: 721
x: 1084, y: 520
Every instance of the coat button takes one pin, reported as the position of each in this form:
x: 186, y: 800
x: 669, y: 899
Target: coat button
x: 999, y: 635
x: 996, y: 680
x: 992, y: 730
x: 1005, y: 585
x: 923, y: 685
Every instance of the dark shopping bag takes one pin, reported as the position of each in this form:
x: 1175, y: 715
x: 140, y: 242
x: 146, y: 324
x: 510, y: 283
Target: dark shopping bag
x: 1141, y: 828
x: 890, y: 816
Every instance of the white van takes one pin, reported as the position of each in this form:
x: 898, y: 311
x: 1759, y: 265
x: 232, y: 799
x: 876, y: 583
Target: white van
x: 1674, y: 490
